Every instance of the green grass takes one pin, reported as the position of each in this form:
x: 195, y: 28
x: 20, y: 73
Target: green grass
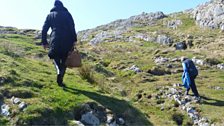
x: 33, y: 80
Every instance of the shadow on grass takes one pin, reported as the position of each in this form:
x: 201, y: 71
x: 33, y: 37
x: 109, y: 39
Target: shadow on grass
x: 210, y: 101
x: 132, y: 116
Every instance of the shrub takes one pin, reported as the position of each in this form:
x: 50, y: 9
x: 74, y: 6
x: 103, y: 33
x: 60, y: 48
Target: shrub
x: 212, y: 61
x: 86, y: 72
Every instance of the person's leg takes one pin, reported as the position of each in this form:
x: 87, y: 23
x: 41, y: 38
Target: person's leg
x: 187, y: 91
x: 57, y: 64
x: 193, y: 87
x: 63, y: 67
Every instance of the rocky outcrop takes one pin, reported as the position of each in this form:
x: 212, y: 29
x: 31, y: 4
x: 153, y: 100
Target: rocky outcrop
x: 94, y: 114
x: 16, y: 104
x: 116, y: 30
x: 27, y: 32
x: 144, y: 19
x: 174, y: 24
x: 210, y: 14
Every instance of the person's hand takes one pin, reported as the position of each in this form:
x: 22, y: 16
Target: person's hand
x: 74, y: 44
x: 45, y: 46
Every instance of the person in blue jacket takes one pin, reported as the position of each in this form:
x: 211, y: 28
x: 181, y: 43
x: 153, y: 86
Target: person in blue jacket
x: 190, y: 72
x: 62, y: 38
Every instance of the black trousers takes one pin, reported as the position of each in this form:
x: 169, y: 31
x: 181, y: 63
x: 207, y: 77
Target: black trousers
x: 193, y: 87
x: 60, y: 67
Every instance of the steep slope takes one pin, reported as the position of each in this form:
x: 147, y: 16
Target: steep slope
x: 28, y: 75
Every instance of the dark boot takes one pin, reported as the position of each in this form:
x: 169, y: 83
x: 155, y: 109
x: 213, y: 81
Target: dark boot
x: 60, y: 80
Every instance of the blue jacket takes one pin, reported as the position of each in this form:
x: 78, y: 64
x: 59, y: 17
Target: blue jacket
x: 186, y: 77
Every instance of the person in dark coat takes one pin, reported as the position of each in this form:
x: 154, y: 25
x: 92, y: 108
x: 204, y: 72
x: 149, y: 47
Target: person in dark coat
x: 190, y: 72
x: 62, y: 38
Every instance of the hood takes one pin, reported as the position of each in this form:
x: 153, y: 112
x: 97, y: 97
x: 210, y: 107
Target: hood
x: 58, y: 8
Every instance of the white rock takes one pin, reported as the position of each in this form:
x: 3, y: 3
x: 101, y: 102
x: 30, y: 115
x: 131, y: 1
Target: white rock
x: 16, y: 101
x: 22, y: 105
x: 110, y: 118
x: 5, y: 110
x: 121, y: 121
x: 78, y: 123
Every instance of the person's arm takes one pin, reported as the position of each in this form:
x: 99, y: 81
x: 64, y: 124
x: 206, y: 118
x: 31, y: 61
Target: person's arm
x: 72, y: 28
x: 184, y: 70
x: 45, y: 29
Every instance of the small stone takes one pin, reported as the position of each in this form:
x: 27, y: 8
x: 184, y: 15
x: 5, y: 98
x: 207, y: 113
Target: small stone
x: 110, y: 118
x: 120, y: 121
x: 77, y: 123
x: 12, y: 99
x: 5, y: 110
x: 16, y: 101
x: 22, y: 106
x: 112, y: 124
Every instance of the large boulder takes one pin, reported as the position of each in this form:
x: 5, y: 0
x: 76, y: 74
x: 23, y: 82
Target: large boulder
x: 90, y: 119
x: 181, y: 46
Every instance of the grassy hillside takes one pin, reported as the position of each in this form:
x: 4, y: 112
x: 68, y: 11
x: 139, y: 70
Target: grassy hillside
x: 105, y: 78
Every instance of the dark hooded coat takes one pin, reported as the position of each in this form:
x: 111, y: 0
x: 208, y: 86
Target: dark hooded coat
x: 63, y: 33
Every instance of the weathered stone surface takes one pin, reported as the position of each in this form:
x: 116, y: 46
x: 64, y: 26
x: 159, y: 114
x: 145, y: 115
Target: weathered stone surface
x: 163, y: 39
x: 181, y: 46
x: 114, y: 30
x: 90, y: 119
x: 5, y: 110
x: 209, y: 14
x: 135, y: 69
x: 174, y: 24
x: 22, y: 106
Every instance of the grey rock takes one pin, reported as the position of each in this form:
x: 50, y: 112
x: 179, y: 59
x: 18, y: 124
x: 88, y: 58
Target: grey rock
x: 145, y: 37
x: 114, y: 30
x: 174, y: 24
x: 38, y: 35
x: 161, y: 60
x: 2, y: 80
x: 203, y: 124
x: 177, y: 85
x: 90, y: 119
x: 220, y: 66
x: 169, y: 66
x: 5, y: 110
x: 173, y: 91
x: 181, y: 46
x: 198, y: 61
x: 120, y: 121
x: 16, y: 100
x: 110, y: 118
x: 22, y: 106
x: 163, y: 39
x: 135, y: 69
x: 209, y: 14
x: 175, y: 60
